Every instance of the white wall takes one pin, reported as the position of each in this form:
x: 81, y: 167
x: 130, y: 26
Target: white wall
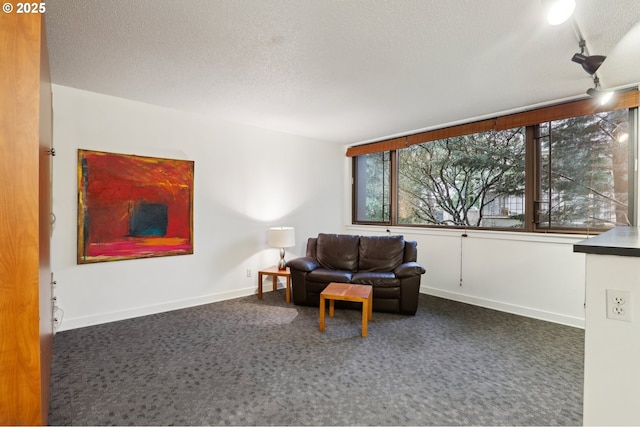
x: 246, y: 180
x: 612, y: 347
x: 528, y: 274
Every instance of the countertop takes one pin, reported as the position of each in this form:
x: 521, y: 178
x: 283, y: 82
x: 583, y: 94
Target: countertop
x: 622, y: 241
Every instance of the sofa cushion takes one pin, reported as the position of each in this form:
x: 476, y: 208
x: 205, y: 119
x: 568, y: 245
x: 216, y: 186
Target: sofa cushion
x: 380, y: 253
x: 324, y: 275
x: 315, y: 288
x: 391, y: 292
x: 389, y: 305
x: 338, y: 251
x: 375, y: 278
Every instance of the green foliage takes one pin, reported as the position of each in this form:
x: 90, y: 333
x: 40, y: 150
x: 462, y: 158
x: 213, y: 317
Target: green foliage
x: 451, y: 181
x: 582, y: 170
x: 587, y: 171
x: 377, y: 166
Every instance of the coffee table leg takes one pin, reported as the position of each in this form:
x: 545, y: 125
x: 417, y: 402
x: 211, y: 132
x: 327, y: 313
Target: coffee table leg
x: 365, y: 316
x: 259, y: 285
x: 371, y: 305
x: 322, y: 309
x: 331, y: 307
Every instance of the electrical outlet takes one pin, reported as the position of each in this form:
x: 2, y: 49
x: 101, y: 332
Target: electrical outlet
x: 618, y: 305
x: 249, y: 272
x: 618, y: 300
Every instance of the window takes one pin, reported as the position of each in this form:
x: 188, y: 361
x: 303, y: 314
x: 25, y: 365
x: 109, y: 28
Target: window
x: 372, y: 192
x: 569, y: 173
x: 475, y: 180
x: 584, y: 172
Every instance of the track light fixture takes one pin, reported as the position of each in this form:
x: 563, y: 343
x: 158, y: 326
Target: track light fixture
x: 602, y: 96
x: 589, y: 63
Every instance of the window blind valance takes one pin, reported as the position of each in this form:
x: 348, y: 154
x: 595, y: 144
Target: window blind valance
x: 629, y: 99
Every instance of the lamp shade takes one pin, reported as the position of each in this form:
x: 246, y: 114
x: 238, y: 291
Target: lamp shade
x: 282, y: 237
x: 589, y: 63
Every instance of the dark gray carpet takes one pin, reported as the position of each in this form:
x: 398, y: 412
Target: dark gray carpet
x: 252, y: 362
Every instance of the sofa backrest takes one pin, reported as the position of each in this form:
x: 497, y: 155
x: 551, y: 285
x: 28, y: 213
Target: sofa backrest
x: 380, y: 253
x: 338, y: 251
x: 410, y: 251
x: 361, y: 253
x: 312, y: 244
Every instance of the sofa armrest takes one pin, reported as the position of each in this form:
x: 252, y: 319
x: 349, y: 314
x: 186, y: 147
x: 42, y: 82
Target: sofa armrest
x: 303, y: 264
x: 409, y: 269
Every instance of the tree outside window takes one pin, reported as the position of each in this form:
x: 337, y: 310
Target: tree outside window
x: 472, y: 180
x: 372, y: 191
x: 563, y: 175
x: 584, y: 171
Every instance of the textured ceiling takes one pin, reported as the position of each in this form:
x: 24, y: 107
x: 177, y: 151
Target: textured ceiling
x: 343, y: 71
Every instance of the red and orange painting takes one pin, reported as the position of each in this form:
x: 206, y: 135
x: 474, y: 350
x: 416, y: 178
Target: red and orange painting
x: 133, y: 207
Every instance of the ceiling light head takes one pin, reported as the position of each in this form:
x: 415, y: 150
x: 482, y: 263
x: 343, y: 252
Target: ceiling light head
x: 589, y: 63
x: 601, y: 96
x: 559, y: 11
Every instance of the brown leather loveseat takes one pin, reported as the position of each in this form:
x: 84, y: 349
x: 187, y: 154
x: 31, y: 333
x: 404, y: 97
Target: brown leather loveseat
x: 387, y: 263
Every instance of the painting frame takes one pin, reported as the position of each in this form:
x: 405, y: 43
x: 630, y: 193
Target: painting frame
x: 132, y: 207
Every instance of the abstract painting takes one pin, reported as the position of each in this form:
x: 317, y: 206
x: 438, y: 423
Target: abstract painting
x: 133, y: 207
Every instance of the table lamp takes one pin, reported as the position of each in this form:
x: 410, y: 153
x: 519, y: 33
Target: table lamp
x: 282, y: 237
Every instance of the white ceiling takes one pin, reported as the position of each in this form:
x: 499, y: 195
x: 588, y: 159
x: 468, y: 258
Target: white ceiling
x: 343, y: 71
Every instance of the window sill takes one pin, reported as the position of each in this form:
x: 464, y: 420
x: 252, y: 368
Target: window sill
x: 479, y: 234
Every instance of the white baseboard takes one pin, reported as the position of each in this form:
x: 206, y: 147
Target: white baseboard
x: 81, y: 322
x: 508, y: 308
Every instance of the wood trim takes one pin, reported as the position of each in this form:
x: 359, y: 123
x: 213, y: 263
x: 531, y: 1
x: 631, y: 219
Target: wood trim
x: 628, y: 99
x: 583, y: 107
x: 452, y: 131
x: 377, y: 147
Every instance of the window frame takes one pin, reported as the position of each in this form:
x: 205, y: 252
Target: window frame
x: 527, y: 119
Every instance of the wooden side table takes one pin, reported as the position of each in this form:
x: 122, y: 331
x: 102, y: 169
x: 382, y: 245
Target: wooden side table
x: 275, y: 273
x: 347, y: 292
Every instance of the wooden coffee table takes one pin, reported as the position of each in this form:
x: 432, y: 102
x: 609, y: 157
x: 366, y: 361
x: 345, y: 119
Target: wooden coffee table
x: 347, y: 292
